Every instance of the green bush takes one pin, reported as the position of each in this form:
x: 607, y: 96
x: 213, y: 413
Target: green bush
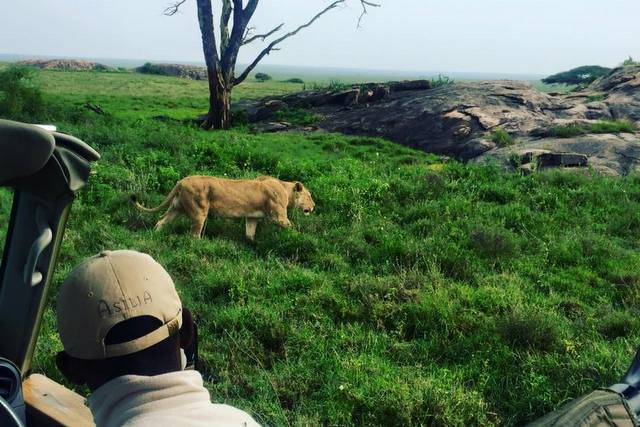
x: 577, y: 76
x: 295, y: 80
x: 149, y: 68
x: 629, y: 62
x: 501, y: 138
x: 441, y: 81
x: 334, y: 85
x: 20, y: 95
x: 595, y: 98
x: 263, y: 77
x: 613, y: 126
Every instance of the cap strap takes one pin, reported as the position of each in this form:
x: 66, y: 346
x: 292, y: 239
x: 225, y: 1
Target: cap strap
x: 145, y: 341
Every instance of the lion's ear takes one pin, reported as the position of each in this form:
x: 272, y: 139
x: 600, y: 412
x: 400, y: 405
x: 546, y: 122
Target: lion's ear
x: 298, y: 186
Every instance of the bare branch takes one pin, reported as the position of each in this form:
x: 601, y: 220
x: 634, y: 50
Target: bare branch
x: 274, y: 43
x: 365, y: 3
x: 251, y: 39
x: 173, y: 9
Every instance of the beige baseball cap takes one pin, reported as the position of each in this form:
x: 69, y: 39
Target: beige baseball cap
x: 105, y: 290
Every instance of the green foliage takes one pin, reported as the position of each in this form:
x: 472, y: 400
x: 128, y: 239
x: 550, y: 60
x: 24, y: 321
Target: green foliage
x: 599, y: 127
x: 629, y: 62
x: 295, y: 80
x: 297, y: 116
x: 154, y: 69
x: 263, y: 77
x: 333, y: 85
x: 501, y: 137
x: 595, y: 98
x: 420, y: 292
x: 581, y: 75
x: 441, y: 81
x: 20, y: 94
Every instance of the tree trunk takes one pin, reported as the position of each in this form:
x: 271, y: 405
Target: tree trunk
x: 219, y: 116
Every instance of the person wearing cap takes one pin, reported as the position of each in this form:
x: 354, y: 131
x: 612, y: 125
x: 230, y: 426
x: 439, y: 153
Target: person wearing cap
x: 123, y: 328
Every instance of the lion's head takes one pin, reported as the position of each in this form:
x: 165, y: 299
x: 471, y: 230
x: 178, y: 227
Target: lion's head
x: 302, y: 198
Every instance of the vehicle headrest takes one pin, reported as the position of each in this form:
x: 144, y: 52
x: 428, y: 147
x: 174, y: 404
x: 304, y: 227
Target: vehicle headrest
x: 24, y: 149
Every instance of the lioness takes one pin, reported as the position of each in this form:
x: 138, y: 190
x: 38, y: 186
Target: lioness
x: 262, y: 197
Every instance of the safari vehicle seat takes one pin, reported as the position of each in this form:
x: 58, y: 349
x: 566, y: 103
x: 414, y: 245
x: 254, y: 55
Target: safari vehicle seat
x: 45, y: 170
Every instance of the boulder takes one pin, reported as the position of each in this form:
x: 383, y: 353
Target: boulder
x: 269, y: 127
x: 409, y: 85
x: 450, y: 119
x: 567, y: 160
x: 606, y: 154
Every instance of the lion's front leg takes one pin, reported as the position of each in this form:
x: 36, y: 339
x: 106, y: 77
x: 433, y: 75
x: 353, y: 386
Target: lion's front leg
x: 279, y: 216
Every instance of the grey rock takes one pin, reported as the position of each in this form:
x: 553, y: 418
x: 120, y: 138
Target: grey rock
x: 410, y: 85
x: 269, y: 127
x: 606, y: 154
x: 546, y: 160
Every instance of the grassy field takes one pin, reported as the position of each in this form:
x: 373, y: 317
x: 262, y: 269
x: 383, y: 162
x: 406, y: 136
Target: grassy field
x: 418, y: 293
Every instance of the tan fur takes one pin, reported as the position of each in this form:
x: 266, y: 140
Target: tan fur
x: 263, y: 197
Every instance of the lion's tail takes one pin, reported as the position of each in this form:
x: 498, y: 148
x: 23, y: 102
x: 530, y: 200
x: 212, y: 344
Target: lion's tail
x: 167, y: 201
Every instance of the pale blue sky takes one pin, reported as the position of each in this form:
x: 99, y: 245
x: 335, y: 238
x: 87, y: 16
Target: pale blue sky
x: 516, y: 36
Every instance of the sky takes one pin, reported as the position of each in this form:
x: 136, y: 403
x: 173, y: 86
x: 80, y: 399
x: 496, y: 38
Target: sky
x: 514, y: 36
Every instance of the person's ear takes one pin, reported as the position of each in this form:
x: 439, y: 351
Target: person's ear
x: 187, y: 331
x: 73, y: 369
x: 298, y: 186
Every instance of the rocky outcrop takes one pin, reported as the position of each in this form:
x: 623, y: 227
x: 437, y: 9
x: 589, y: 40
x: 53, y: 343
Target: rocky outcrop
x: 65, y: 64
x: 458, y: 119
x: 174, y: 70
x: 451, y: 120
x: 621, y: 92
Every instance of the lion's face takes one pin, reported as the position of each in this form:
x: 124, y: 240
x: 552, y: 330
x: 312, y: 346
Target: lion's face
x: 303, y: 199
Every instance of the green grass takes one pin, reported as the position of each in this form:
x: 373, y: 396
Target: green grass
x: 297, y: 116
x: 131, y: 95
x: 595, y: 98
x: 599, y: 127
x: 418, y: 292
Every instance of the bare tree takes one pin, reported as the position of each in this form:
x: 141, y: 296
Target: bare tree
x: 221, y: 57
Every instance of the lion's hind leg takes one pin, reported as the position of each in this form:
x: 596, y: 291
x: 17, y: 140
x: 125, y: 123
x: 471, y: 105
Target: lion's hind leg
x: 250, y: 229
x: 167, y: 217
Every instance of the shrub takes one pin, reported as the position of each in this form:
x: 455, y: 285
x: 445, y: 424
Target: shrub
x: 20, y: 96
x: 441, y: 81
x: 262, y: 77
x: 629, y: 62
x: 613, y: 126
x: 149, y: 68
x: 576, y: 76
x: 334, y: 85
x: 493, y: 243
x: 295, y: 80
x: 595, y: 98
x: 501, y: 138
x: 567, y: 131
x: 599, y: 127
